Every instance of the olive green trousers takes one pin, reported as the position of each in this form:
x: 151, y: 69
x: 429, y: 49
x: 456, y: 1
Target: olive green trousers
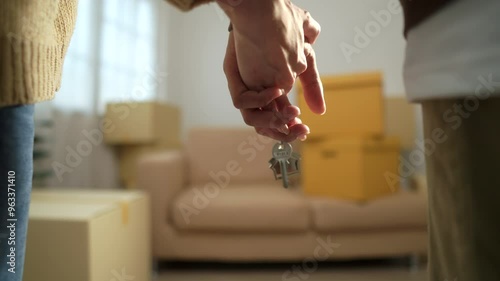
x: 463, y: 170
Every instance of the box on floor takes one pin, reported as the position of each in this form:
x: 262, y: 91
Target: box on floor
x: 88, y: 236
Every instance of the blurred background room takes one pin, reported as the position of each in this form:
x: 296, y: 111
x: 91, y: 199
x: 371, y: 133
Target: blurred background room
x: 144, y: 170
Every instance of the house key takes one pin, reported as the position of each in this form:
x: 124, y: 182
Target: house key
x: 285, y: 162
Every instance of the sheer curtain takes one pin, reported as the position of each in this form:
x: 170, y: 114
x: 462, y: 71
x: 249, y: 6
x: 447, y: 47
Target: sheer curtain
x: 113, y: 49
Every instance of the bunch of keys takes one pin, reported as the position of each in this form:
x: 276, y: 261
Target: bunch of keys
x: 285, y: 162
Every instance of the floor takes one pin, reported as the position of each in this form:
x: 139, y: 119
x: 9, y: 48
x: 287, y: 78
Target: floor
x: 392, y: 270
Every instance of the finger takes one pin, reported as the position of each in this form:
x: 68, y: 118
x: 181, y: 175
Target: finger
x: 285, y: 78
x: 294, y: 122
x: 282, y: 102
x: 286, y: 111
x: 283, y: 108
x: 242, y: 97
x: 286, y: 114
x: 312, y: 28
x: 297, y: 131
x: 274, y: 134
x: 252, y: 99
x: 262, y: 118
x: 311, y: 83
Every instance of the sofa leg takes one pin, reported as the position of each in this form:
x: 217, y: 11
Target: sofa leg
x: 155, y: 269
x: 416, y: 261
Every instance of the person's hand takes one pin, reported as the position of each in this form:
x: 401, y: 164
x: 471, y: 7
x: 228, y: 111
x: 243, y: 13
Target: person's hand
x: 269, y: 110
x: 279, y: 33
x: 271, y: 39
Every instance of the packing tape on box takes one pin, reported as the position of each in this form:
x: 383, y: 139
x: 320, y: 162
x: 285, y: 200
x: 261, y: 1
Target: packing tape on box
x: 125, y: 213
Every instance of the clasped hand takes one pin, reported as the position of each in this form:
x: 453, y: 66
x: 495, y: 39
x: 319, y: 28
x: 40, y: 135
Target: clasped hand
x: 268, y: 49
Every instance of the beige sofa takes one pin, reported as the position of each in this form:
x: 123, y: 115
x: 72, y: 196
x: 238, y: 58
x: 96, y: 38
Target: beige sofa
x: 217, y: 200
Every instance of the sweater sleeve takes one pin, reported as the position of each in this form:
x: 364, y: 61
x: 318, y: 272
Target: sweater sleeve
x: 186, y: 5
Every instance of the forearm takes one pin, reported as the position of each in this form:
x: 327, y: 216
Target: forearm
x: 186, y: 5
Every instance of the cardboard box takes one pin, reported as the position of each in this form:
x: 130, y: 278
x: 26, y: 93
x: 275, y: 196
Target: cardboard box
x: 352, y: 168
x: 129, y: 156
x: 142, y: 123
x: 88, y: 236
x: 354, y: 107
x: 400, y: 120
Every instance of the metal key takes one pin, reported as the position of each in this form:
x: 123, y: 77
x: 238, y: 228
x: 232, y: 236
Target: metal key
x: 285, y: 162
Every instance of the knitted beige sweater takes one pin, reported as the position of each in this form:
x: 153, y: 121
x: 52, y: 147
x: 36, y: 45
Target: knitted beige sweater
x: 34, y: 37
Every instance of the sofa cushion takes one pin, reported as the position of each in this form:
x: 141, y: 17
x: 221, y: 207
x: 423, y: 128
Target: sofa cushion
x: 396, y: 211
x: 228, y: 155
x: 241, y: 208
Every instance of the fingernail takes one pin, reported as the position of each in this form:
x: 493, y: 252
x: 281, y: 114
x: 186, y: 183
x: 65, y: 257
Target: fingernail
x: 302, y: 137
x: 324, y: 112
x: 282, y: 91
x: 284, y: 129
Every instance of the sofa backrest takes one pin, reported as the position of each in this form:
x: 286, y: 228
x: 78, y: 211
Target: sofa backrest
x: 223, y: 155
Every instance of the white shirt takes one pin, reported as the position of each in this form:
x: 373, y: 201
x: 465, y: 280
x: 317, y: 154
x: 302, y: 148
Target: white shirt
x: 455, y: 53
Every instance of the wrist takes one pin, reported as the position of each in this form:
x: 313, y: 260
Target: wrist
x: 239, y: 8
x: 249, y: 12
x: 256, y: 20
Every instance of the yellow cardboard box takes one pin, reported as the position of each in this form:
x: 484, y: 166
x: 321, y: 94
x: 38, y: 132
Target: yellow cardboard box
x: 142, y: 123
x: 88, y: 236
x: 354, y: 107
x: 349, y: 168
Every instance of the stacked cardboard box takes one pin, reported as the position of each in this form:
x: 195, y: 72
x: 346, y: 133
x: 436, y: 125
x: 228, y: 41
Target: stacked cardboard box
x: 347, y: 154
x: 138, y: 129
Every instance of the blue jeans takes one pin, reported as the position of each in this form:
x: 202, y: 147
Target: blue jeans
x: 16, y: 172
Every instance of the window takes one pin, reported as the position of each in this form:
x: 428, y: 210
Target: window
x: 112, y: 49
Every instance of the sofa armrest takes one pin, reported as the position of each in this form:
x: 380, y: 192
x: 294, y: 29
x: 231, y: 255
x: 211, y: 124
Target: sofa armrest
x: 162, y: 175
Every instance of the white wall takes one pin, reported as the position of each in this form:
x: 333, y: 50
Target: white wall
x: 197, y: 40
